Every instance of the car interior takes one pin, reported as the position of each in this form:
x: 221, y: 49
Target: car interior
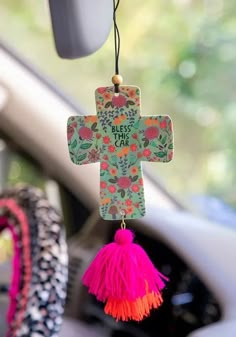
x: 195, y: 253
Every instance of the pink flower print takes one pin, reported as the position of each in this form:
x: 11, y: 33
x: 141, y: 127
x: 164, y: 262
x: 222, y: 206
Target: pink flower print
x: 128, y: 202
x: 135, y: 136
x: 129, y: 210
x: 135, y: 188
x: 132, y: 93
x: 124, y: 182
x: 106, y: 140
x: 133, y: 147
x: 107, y: 96
x: 111, y: 148
x: 70, y: 132
x: 104, y: 165
x: 147, y: 153
x: 101, y: 90
x: 85, y: 133
x: 93, y: 156
x: 74, y: 125
x: 151, y: 133
x: 112, y: 189
x: 163, y: 124
x: 170, y: 155
x: 103, y: 184
x: 119, y: 101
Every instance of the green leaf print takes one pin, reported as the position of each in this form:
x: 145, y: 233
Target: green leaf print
x: 108, y: 104
x: 133, y: 160
x: 114, y: 159
x: 146, y: 143
x: 171, y: 146
x: 161, y: 154
x: 94, y: 127
x: 113, y: 181
x: 163, y: 141
x: 136, y: 125
x: 82, y: 157
x: 130, y: 103
x: 74, y: 144
x: 135, y: 178
x: 122, y: 193
x: 86, y: 146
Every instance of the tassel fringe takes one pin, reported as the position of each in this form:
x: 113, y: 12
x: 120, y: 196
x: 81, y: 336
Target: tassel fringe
x: 133, y: 310
x: 122, y: 276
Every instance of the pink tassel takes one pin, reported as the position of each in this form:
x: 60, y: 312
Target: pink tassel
x: 123, y: 276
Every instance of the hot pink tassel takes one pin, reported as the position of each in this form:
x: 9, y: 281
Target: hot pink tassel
x: 123, y: 276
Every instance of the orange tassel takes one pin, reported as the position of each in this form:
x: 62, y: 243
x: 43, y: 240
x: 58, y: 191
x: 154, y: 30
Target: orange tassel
x: 133, y: 310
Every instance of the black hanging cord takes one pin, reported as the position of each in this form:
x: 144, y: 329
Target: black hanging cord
x: 117, y: 41
x: 116, y: 37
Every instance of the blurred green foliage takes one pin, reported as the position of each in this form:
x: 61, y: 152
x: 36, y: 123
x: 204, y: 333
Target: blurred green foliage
x: 5, y: 246
x: 182, y: 53
x: 24, y: 171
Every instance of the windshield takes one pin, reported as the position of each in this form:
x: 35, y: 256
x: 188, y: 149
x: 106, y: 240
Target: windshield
x: 181, y: 53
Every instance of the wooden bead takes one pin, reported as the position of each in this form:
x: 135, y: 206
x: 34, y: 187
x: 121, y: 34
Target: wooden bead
x: 117, y: 79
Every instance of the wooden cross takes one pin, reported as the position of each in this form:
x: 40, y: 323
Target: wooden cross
x: 120, y: 139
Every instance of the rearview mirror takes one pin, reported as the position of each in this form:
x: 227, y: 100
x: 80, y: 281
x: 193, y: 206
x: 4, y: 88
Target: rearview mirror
x: 80, y: 27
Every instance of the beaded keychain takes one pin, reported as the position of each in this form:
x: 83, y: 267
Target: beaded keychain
x: 121, y: 275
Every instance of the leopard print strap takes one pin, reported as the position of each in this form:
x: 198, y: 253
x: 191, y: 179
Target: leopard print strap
x: 38, y: 287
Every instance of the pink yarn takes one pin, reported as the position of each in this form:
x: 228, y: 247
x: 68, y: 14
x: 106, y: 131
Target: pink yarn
x: 22, y: 256
x: 3, y: 221
x: 122, y: 270
x: 15, y: 281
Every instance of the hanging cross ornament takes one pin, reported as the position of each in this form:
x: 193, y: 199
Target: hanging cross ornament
x: 121, y: 274
x: 120, y: 139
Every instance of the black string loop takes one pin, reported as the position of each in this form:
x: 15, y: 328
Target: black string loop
x: 117, y: 41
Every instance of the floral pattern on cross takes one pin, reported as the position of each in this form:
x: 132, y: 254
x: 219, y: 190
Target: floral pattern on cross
x: 120, y: 139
